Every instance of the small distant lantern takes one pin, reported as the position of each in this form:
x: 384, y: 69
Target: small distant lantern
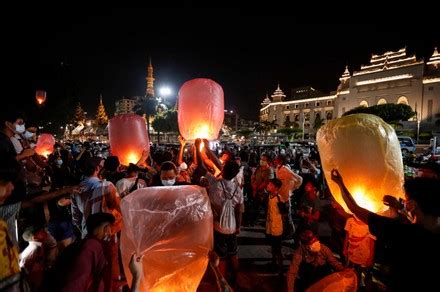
x: 45, y: 145
x: 366, y: 152
x: 40, y: 96
x: 128, y: 137
x: 201, y: 109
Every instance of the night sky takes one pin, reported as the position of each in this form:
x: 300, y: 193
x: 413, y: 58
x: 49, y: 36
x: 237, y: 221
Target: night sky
x: 78, y: 54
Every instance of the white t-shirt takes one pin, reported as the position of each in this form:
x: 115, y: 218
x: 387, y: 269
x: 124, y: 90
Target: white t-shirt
x: 359, y: 248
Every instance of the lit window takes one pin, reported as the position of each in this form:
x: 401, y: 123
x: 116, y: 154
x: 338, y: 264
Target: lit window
x: 402, y: 100
x: 382, y: 101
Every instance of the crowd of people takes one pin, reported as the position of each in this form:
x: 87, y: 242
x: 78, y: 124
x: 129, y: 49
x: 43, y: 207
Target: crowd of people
x: 60, y: 217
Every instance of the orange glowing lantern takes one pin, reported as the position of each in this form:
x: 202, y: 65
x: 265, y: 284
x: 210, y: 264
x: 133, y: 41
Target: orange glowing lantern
x: 201, y: 109
x: 128, y: 137
x: 40, y: 96
x: 366, y: 152
x: 45, y: 145
x: 171, y: 227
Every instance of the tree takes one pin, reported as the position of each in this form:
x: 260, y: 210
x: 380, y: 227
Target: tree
x: 318, y: 123
x: 390, y: 113
x: 165, y: 122
x: 245, y: 132
x: 80, y: 116
x: 262, y: 127
x: 287, y: 122
x: 291, y: 132
x: 146, y: 106
x: 101, y: 116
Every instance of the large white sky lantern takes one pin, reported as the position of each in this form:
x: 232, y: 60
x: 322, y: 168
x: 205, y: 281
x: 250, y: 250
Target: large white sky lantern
x: 171, y: 227
x: 366, y: 152
x: 201, y: 109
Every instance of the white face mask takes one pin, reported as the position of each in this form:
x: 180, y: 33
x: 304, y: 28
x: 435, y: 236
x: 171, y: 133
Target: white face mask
x: 28, y: 135
x: 315, y: 247
x: 169, y: 182
x: 59, y: 162
x: 20, y: 129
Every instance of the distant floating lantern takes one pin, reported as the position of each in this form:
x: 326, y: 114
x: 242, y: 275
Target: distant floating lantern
x: 45, y: 145
x: 366, y: 152
x: 40, y: 96
x: 128, y: 137
x: 201, y: 109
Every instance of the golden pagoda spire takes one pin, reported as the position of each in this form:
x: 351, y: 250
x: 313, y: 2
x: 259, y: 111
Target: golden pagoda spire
x: 150, y: 80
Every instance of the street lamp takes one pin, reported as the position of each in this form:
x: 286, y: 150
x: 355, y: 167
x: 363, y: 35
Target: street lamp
x: 165, y: 91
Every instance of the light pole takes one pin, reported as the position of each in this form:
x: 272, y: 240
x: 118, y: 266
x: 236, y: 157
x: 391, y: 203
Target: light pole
x: 303, y: 128
x: 418, y: 127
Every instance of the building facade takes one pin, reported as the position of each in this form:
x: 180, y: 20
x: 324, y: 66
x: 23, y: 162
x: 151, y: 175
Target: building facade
x: 393, y: 77
x: 125, y: 106
x: 302, y: 110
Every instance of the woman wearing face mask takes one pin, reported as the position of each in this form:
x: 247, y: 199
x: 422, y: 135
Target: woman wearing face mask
x: 412, y: 249
x: 168, y: 175
x: 311, y: 261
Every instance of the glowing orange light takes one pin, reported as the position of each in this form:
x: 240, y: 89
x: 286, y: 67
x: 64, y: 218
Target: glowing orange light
x: 132, y: 157
x: 366, y: 152
x: 201, y: 109
x: 364, y: 200
x: 202, y: 145
x: 40, y: 96
x: 128, y: 137
x: 45, y: 145
x: 202, y: 131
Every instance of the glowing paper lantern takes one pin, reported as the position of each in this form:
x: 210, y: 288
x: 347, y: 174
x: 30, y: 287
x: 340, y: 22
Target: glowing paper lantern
x: 40, y: 96
x: 45, y: 145
x: 366, y: 152
x: 128, y: 137
x: 201, y: 109
x: 339, y: 281
x: 172, y: 228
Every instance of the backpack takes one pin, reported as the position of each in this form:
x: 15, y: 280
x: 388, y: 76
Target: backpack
x: 227, y: 216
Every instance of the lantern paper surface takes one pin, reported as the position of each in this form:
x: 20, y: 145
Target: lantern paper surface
x: 172, y: 228
x: 339, y: 281
x: 128, y: 137
x: 366, y: 152
x: 45, y: 145
x: 201, y: 109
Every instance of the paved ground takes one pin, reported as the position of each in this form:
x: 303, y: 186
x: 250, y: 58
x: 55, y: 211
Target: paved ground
x: 255, y: 259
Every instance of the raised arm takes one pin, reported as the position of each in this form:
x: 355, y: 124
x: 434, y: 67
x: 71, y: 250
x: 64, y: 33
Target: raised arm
x: 211, y: 155
x: 49, y: 196
x: 357, y: 210
x: 182, y: 142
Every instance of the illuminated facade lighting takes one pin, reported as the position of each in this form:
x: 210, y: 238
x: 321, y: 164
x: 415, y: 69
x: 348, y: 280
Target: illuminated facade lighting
x: 384, y: 79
